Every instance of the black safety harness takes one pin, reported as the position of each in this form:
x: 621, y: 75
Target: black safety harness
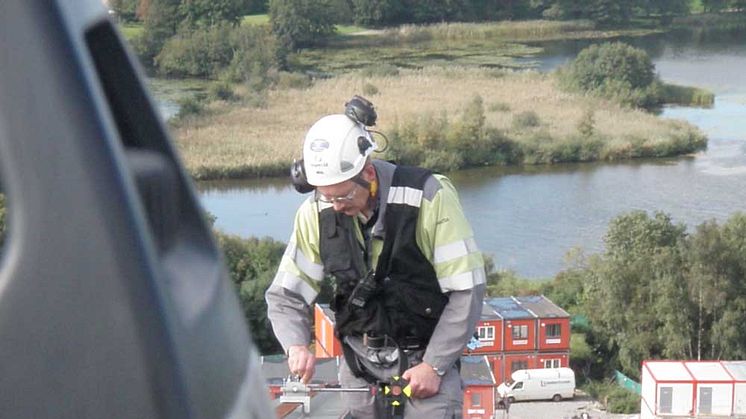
x: 399, y: 302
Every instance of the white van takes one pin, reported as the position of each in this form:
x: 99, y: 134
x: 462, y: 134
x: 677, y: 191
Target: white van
x: 539, y: 384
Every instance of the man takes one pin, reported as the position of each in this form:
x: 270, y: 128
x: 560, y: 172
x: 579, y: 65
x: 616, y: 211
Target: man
x: 409, y: 279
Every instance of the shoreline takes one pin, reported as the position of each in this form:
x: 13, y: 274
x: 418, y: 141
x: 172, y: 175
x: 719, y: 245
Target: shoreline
x: 530, y: 115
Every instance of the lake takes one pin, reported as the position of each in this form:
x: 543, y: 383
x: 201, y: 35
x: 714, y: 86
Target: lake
x: 529, y: 218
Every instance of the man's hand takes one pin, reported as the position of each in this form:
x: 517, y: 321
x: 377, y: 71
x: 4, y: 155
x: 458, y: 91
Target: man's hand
x: 301, y: 362
x: 423, y: 381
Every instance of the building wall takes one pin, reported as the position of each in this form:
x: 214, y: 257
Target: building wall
x: 647, y: 393
x: 513, y: 362
x: 682, y: 397
x: 527, y: 342
x: 722, y: 397
x: 490, y: 345
x: 552, y: 360
x: 551, y: 343
x: 497, y: 365
x: 739, y: 399
x: 485, y: 395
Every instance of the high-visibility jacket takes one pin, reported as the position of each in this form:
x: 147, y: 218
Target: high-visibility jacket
x: 443, y: 235
x: 400, y: 298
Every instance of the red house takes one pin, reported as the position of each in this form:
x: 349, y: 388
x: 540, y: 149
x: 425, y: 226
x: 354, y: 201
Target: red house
x: 523, y: 332
x: 479, y: 391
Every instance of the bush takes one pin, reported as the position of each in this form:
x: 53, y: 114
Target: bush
x: 293, y: 81
x: 437, y: 143
x: 248, y: 54
x: 196, y: 53
x: 382, y: 70
x: 190, y: 106
x: 370, y: 89
x: 252, y: 264
x: 687, y: 96
x: 616, y: 399
x: 221, y: 91
x: 527, y: 119
x: 499, y: 107
x: 256, y: 59
x: 614, y: 71
x: 301, y: 23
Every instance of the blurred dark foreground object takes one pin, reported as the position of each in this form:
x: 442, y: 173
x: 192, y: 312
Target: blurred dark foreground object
x: 114, y: 300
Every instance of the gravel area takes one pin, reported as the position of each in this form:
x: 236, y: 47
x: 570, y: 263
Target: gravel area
x: 566, y: 409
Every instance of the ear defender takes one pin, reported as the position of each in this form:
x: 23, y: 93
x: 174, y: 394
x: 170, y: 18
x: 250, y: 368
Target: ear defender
x: 361, y: 110
x: 363, y: 144
x: 298, y: 177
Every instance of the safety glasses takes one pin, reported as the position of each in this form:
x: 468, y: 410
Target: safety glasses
x: 336, y: 199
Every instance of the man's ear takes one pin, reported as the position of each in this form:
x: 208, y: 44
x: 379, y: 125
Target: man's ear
x: 369, y: 172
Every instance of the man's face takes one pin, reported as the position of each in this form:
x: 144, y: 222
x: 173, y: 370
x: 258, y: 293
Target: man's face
x: 347, y: 197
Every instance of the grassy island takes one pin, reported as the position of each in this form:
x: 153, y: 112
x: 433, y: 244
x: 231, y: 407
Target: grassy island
x: 431, y: 115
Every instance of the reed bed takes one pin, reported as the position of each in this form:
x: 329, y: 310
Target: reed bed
x: 524, y: 31
x: 239, y: 142
x: 505, y: 31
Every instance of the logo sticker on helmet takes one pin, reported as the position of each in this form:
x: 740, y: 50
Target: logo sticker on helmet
x: 319, y: 145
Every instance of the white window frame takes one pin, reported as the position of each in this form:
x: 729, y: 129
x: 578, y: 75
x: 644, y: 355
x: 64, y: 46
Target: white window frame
x: 552, y: 363
x: 553, y: 325
x: 522, y: 332
x: 486, y: 333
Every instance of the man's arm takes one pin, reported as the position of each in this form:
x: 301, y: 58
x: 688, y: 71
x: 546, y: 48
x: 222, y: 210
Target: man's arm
x: 289, y: 315
x: 455, y: 327
x: 447, y: 240
x: 293, y: 290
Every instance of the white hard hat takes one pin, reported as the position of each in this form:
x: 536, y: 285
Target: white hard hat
x: 335, y: 150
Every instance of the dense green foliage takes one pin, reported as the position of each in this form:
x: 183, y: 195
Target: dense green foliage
x: 237, y: 54
x: 126, y: 10
x: 435, y: 142
x: 212, y: 12
x: 615, y: 71
x: 302, y: 23
x: 615, y: 398
x: 659, y: 292
x: 442, y: 143
x: 161, y: 20
x: 252, y: 264
x: 190, y: 27
x: 196, y: 53
x: 626, y: 75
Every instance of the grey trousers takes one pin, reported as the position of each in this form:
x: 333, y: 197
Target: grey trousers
x: 447, y: 404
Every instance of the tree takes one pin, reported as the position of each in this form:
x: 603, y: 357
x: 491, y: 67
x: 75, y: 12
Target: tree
x: 714, y: 6
x: 428, y: 11
x: 377, y: 12
x: 252, y: 264
x: 616, y: 71
x: 161, y: 22
x: 665, y: 9
x: 717, y: 258
x: 211, y: 12
x: 301, y: 23
x: 125, y: 9
x: 623, y: 285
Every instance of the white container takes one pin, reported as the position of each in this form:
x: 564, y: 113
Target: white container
x: 737, y: 370
x: 698, y: 389
x: 539, y: 384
